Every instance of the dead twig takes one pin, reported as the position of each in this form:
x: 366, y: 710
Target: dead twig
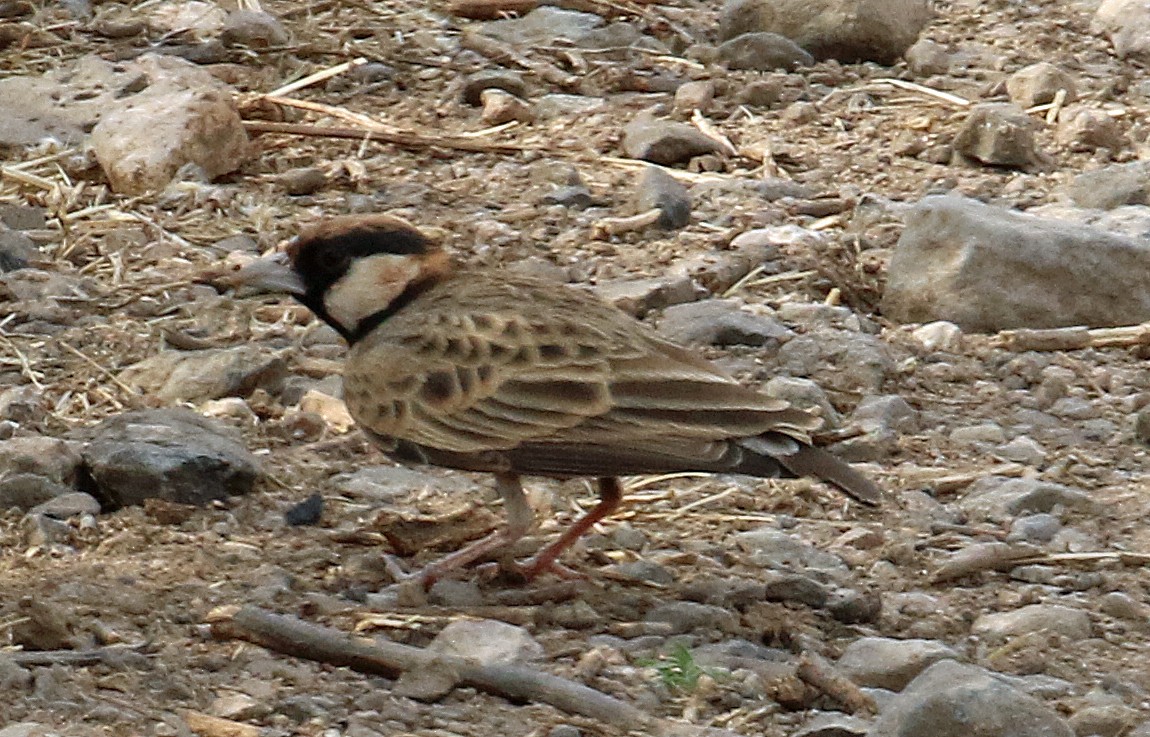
x: 1074, y: 338
x: 403, y: 139
x: 817, y: 672
x: 982, y: 557
x: 207, y: 725
x: 490, y: 9
x: 301, y: 639
x: 614, y: 226
x: 43, y: 658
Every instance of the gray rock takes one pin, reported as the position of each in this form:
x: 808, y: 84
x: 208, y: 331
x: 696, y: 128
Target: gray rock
x: 847, y: 30
x: 1112, y: 186
x: 70, y: 504
x: 720, y: 322
x: 455, y: 594
x: 950, y: 699
x: 1142, y: 426
x: 665, y: 142
x: 302, y: 181
x: 1085, y: 128
x: 949, y: 261
x: 560, y: 105
x: 182, y: 117
x: 644, y: 570
x: 23, y: 217
x: 501, y: 107
x: 1038, y: 83
x: 855, y: 607
x: 544, y: 26
x: 171, y: 454
x: 254, y: 29
x: 41, y: 530
x: 14, y: 678
x: 637, y: 297
x: 487, y: 641
x: 27, y: 490
x: 1000, y: 499
x: 833, y: 724
x: 196, y: 376
x: 575, y: 196
x: 1110, y: 718
x: 985, y: 432
x: 389, y: 483
x: 564, y: 730
x: 886, y: 412
x: 1063, y: 620
x: 1122, y: 605
x: 1127, y: 24
x: 796, y: 587
x: 926, y: 58
x: 1034, y: 528
x: 804, y: 394
x: 844, y: 359
x: 685, y: 616
x: 882, y: 662
x: 54, y: 459
x: 17, y: 250
x: 658, y: 189
x: 27, y: 729
x: 763, y: 52
x: 939, y: 335
x: 998, y: 134
x: 696, y: 95
x: 772, y: 548
x: 1023, y: 449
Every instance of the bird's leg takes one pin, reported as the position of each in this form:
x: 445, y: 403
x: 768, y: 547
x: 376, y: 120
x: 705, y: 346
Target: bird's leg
x: 610, y: 496
x: 520, y: 518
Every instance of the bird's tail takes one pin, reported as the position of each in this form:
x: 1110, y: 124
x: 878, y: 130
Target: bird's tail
x: 802, y: 459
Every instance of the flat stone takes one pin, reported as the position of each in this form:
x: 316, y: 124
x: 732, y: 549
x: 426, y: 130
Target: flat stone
x: 70, y: 504
x: 665, y: 142
x: 1063, y: 620
x: 51, y: 458
x: 1037, y: 84
x: 637, y: 297
x: 1112, y: 186
x: 658, y: 189
x: 772, y: 548
x: 1000, y: 499
x: 764, y: 52
x: 720, y: 322
x: 26, y: 491
x: 487, y: 641
x: 847, y: 30
x: 882, y: 662
x: 948, y: 264
x: 196, y: 376
x: 171, y: 454
x: 687, y: 616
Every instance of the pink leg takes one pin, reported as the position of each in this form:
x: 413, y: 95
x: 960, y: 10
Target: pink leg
x: 610, y: 496
x: 520, y: 518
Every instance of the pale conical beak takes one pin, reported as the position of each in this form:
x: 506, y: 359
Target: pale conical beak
x: 272, y: 273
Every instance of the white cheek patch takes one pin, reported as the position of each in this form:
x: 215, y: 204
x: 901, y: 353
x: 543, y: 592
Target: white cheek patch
x: 369, y: 286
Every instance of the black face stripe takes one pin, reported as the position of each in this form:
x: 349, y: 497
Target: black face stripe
x: 323, y: 261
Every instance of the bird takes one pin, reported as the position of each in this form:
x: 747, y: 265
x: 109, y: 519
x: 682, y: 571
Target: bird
x: 488, y: 370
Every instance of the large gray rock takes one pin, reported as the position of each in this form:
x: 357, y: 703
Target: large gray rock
x: 950, y: 699
x: 883, y: 662
x: 988, y: 269
x: 847, y: 30
x: 998, y: 134
x: 195, y: 376
x: 1000, y: 499
x: 171, y: 454
x: 1051, y: 618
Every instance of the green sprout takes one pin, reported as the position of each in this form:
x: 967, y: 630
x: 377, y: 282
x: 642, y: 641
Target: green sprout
x: 677, y: 670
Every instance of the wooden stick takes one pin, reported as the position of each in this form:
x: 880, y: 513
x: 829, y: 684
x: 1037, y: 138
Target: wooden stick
x: 207, y: 725
x: 490, y: 9
x: 319, y: 76
x: 1075, y: 338
x: 301, y: 639
x: 614, y: 226
x: 403, y: 139
x: 38, y: 658
x: 814, y: 670
x: 982, y: 557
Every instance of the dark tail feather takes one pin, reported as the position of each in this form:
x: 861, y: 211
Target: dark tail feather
x: 811, y: 461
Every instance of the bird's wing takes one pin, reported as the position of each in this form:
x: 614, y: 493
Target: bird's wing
x: 571, y: 376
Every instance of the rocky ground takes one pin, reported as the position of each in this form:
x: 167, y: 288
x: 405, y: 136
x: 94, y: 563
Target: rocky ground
x: 1007, y: 567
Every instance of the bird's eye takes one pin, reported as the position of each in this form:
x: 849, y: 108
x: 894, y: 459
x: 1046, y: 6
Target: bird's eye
x: 334, y: 261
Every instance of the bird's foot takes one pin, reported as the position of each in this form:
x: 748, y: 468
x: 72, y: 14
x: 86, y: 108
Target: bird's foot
x: 530, y: 569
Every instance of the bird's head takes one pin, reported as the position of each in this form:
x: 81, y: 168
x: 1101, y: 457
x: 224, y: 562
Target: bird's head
x: 351, y: 271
